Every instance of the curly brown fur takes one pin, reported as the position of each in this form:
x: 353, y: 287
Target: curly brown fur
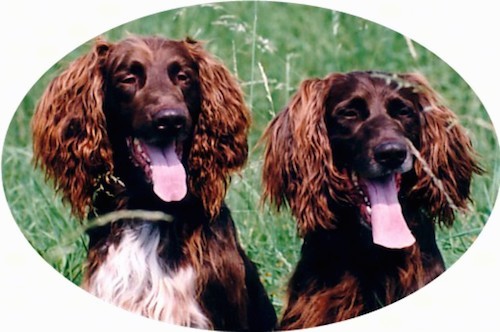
x: 222, y: 127
x: 368, y: 163
x: 154, y: 124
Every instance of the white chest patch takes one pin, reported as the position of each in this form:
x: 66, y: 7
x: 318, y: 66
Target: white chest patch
x: 134, y: 278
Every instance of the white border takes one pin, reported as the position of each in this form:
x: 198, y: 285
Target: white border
x: 35, y: 34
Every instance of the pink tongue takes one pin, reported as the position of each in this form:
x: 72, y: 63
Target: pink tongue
x: 168, y: 174
x: 389, y: 228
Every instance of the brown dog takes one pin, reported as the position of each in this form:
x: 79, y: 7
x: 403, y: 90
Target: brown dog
x: 157, y: 125
x: 368, y: 163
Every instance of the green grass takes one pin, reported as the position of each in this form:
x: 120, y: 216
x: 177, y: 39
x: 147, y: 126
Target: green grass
x: 271, y: 47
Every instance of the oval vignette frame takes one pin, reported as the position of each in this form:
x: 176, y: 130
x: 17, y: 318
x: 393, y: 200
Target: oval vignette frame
x: 366, y: 319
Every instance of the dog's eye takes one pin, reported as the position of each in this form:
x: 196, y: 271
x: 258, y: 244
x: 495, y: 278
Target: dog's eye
x: 129, y: 79
x: 182, y: 77
x: 348, y: 113
x: 405, y: 111
x: 401, y: 112
x: 179, y: 74
x: 397, y: 108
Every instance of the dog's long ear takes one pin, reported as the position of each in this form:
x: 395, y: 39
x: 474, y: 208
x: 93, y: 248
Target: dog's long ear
x: 220, y: 140
x: 448, y: 159
x: 298, y: 163
x: 69, y: 139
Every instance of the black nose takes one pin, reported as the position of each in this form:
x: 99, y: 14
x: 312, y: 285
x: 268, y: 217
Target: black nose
x: 170, y: 121
x: 390, y: 154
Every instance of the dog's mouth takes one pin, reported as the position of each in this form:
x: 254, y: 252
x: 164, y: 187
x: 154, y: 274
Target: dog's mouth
x: 381, y: 212
x: 162, y: 167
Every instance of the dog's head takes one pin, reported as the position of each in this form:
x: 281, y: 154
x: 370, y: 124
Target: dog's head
x: 162, y: 116
x: 365, y: 140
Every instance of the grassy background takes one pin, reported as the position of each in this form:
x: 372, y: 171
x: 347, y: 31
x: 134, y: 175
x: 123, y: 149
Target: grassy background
x: 271, y: 47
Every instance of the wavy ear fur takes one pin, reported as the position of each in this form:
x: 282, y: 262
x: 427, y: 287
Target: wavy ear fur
x: 448, y: 158
x: 220, y: 139
x: 69, y: 130
x: 298, y: 161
